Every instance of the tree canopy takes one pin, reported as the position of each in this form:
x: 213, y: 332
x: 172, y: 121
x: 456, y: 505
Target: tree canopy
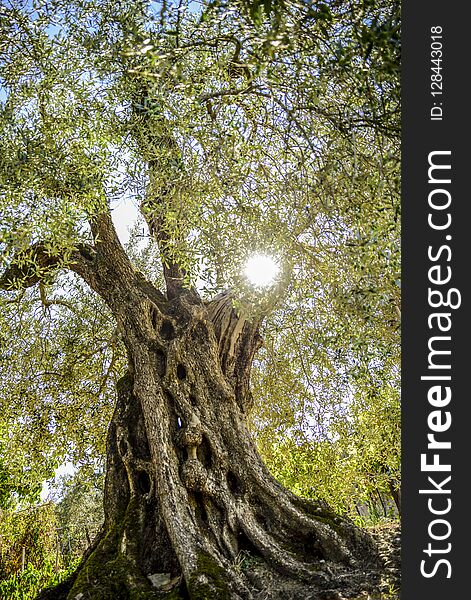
x: 275, y: 128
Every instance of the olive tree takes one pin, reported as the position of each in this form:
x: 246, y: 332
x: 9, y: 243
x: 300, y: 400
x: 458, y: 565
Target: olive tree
x: 231, y: 130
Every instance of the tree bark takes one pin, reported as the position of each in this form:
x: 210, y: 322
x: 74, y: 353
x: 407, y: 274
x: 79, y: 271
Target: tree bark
x: 190, y: 509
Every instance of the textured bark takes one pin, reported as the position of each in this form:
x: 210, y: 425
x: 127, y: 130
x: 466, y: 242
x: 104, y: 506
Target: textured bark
x: 191, y: 511
x: 186, y: 492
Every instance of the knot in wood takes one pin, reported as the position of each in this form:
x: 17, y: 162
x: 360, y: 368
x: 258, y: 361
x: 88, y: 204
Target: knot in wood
x: 194, y: 475
x: 191, y: 435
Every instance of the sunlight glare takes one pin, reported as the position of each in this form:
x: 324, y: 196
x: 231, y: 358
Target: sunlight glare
x: 261, y: 270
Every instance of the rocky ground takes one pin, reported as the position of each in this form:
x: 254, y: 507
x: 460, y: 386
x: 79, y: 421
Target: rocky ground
x: 343, y: 585
x: 388, y: 538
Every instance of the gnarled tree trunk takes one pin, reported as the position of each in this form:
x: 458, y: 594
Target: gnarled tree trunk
x: 191, y: 510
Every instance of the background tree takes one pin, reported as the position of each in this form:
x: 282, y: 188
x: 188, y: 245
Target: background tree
x: 79, y: 510
x: 234, y: 135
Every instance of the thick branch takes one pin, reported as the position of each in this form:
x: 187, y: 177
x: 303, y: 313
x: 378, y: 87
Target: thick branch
x: 107, y: 243
x: 37, y: 262
x: 28, y: 268
x: 103, y: 229
x: 166, y: 172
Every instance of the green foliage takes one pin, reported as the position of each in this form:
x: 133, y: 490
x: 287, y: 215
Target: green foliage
x: 34, y: 530
x: 27, y: 585
x: 80, y: 498
x: 79, y: 511
x: 38, y: 532
x: 59, y: 393
x: 358, y: 461
x: 327, y: 389
x: 16, y: 484
x: 237, y: 127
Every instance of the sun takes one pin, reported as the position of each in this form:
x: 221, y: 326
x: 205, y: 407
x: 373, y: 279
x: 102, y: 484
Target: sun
x: 261, y: 270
